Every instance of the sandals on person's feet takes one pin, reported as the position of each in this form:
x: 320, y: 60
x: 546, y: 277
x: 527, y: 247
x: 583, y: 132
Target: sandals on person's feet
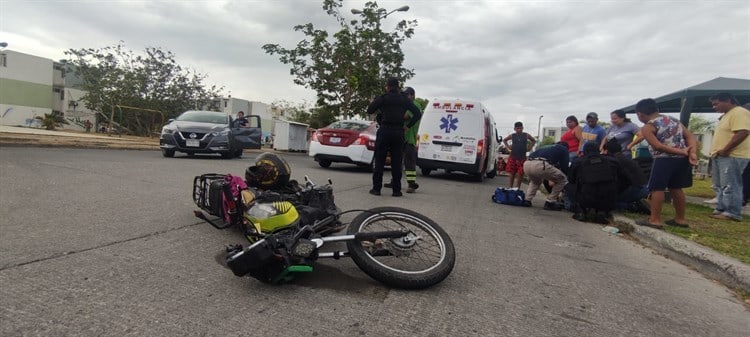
x: 644, y: 222
x: 674, y: 222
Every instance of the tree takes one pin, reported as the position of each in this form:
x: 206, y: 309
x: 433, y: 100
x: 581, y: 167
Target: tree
x: 700, y: 125
x: 546, y: 140
x: 320, y: 118
x: 115, y: 78
x: 296, y: 112
x: 347, y: 69
x: 52, y: 120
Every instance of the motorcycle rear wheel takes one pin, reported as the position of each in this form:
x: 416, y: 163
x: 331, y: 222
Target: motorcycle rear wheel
x: 423, y: 258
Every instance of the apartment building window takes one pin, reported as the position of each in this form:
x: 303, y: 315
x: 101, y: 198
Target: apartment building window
x: 551, y: 133
x: 3, y: 60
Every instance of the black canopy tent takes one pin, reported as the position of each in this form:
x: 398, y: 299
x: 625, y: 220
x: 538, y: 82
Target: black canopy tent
x: 695, y: 98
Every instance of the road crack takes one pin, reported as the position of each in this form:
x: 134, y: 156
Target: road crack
x: 68, y: 253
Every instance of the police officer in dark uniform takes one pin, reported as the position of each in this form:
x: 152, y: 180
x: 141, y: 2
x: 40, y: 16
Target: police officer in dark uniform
x: 390, y: 136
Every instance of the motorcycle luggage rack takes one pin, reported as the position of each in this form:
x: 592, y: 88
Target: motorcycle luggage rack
x: 201, y: 197
x: 201, y: 186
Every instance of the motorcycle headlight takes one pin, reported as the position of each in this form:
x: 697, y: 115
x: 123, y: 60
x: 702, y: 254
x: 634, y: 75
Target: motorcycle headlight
x: 271, y: 216
x: 262, y: 211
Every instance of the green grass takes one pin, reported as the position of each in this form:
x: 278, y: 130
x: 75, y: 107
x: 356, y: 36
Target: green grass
x: 701, y: 188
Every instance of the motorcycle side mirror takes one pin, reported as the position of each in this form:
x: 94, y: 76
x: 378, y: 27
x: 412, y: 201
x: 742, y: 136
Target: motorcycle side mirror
x: 309, y: 182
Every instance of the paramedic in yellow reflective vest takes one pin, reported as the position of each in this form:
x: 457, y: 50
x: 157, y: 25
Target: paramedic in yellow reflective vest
x: 410, y: 146
x: 391, y: 134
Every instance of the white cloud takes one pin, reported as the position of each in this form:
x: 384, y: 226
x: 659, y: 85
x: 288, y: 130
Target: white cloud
x: 521, y: 59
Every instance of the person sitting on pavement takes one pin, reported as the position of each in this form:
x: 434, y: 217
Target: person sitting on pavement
x: 547, y: 163
x: 632, y: 187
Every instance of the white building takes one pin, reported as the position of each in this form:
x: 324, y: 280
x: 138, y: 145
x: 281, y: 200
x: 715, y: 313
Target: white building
x: 232, y: 106
x: 32, y: 86
x: 554, y: 132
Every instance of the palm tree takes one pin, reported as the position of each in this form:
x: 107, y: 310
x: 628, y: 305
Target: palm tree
x: 52, y: 120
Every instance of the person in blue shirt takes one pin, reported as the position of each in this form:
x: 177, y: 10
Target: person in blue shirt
x: 592, y: 131
x: 547, y: 163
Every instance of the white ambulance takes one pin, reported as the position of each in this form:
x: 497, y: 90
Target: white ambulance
x: 457, y: 135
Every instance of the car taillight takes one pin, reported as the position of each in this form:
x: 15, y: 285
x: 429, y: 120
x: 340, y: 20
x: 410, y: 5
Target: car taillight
x: 480, y: 147
x: 314, y: 137
x: 366, y: 141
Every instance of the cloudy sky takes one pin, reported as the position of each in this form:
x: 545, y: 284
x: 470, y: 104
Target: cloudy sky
x: 522, y: 59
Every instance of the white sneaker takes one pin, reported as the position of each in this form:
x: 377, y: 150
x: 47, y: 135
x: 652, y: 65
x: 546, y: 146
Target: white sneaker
x: 715, y: 200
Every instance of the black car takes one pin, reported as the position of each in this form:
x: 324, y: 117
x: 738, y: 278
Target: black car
x: 209, y: 132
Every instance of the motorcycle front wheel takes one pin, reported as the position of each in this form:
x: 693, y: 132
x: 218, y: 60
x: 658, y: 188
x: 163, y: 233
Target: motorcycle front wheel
x: 422, y: 258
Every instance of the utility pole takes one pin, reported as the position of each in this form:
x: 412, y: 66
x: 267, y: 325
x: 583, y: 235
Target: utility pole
x: 539, y: 131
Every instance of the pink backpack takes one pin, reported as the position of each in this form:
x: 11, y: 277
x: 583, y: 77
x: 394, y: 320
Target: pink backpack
x: 235, y: 185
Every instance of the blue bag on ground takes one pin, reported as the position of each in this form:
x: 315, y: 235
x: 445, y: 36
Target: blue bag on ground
x: 507, y: 196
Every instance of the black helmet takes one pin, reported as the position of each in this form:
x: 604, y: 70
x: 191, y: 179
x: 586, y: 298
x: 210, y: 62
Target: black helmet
x: 269, y: 172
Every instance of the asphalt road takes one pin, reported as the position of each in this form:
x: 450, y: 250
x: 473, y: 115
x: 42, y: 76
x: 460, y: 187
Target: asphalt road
x: 104, y: 243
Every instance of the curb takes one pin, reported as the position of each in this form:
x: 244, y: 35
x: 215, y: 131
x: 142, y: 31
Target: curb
x: 75, y: 144
x: 729, y: 271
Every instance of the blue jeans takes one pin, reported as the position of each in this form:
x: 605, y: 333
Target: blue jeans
x: 571, y: 156
x: 727, y: 180
x: 630, y: 195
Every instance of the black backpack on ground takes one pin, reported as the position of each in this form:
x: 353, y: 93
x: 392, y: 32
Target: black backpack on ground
x: 597, y: 183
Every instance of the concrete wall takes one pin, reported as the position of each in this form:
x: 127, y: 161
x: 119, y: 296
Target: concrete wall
x: 19, y: 115
x: 75, y: 110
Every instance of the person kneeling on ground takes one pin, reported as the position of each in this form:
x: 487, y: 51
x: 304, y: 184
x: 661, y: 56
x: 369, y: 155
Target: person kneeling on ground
x: 593, y: 185
x: 632, y: 187
x: 548, y: 163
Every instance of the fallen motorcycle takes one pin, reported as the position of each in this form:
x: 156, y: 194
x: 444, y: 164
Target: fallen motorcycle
x: 259, y: 212
x: 396, y: 246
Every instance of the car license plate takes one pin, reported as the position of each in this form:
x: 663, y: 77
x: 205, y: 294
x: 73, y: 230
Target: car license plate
x: 335, y: 140
x: 193, y: 143
x: 446, y: 148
